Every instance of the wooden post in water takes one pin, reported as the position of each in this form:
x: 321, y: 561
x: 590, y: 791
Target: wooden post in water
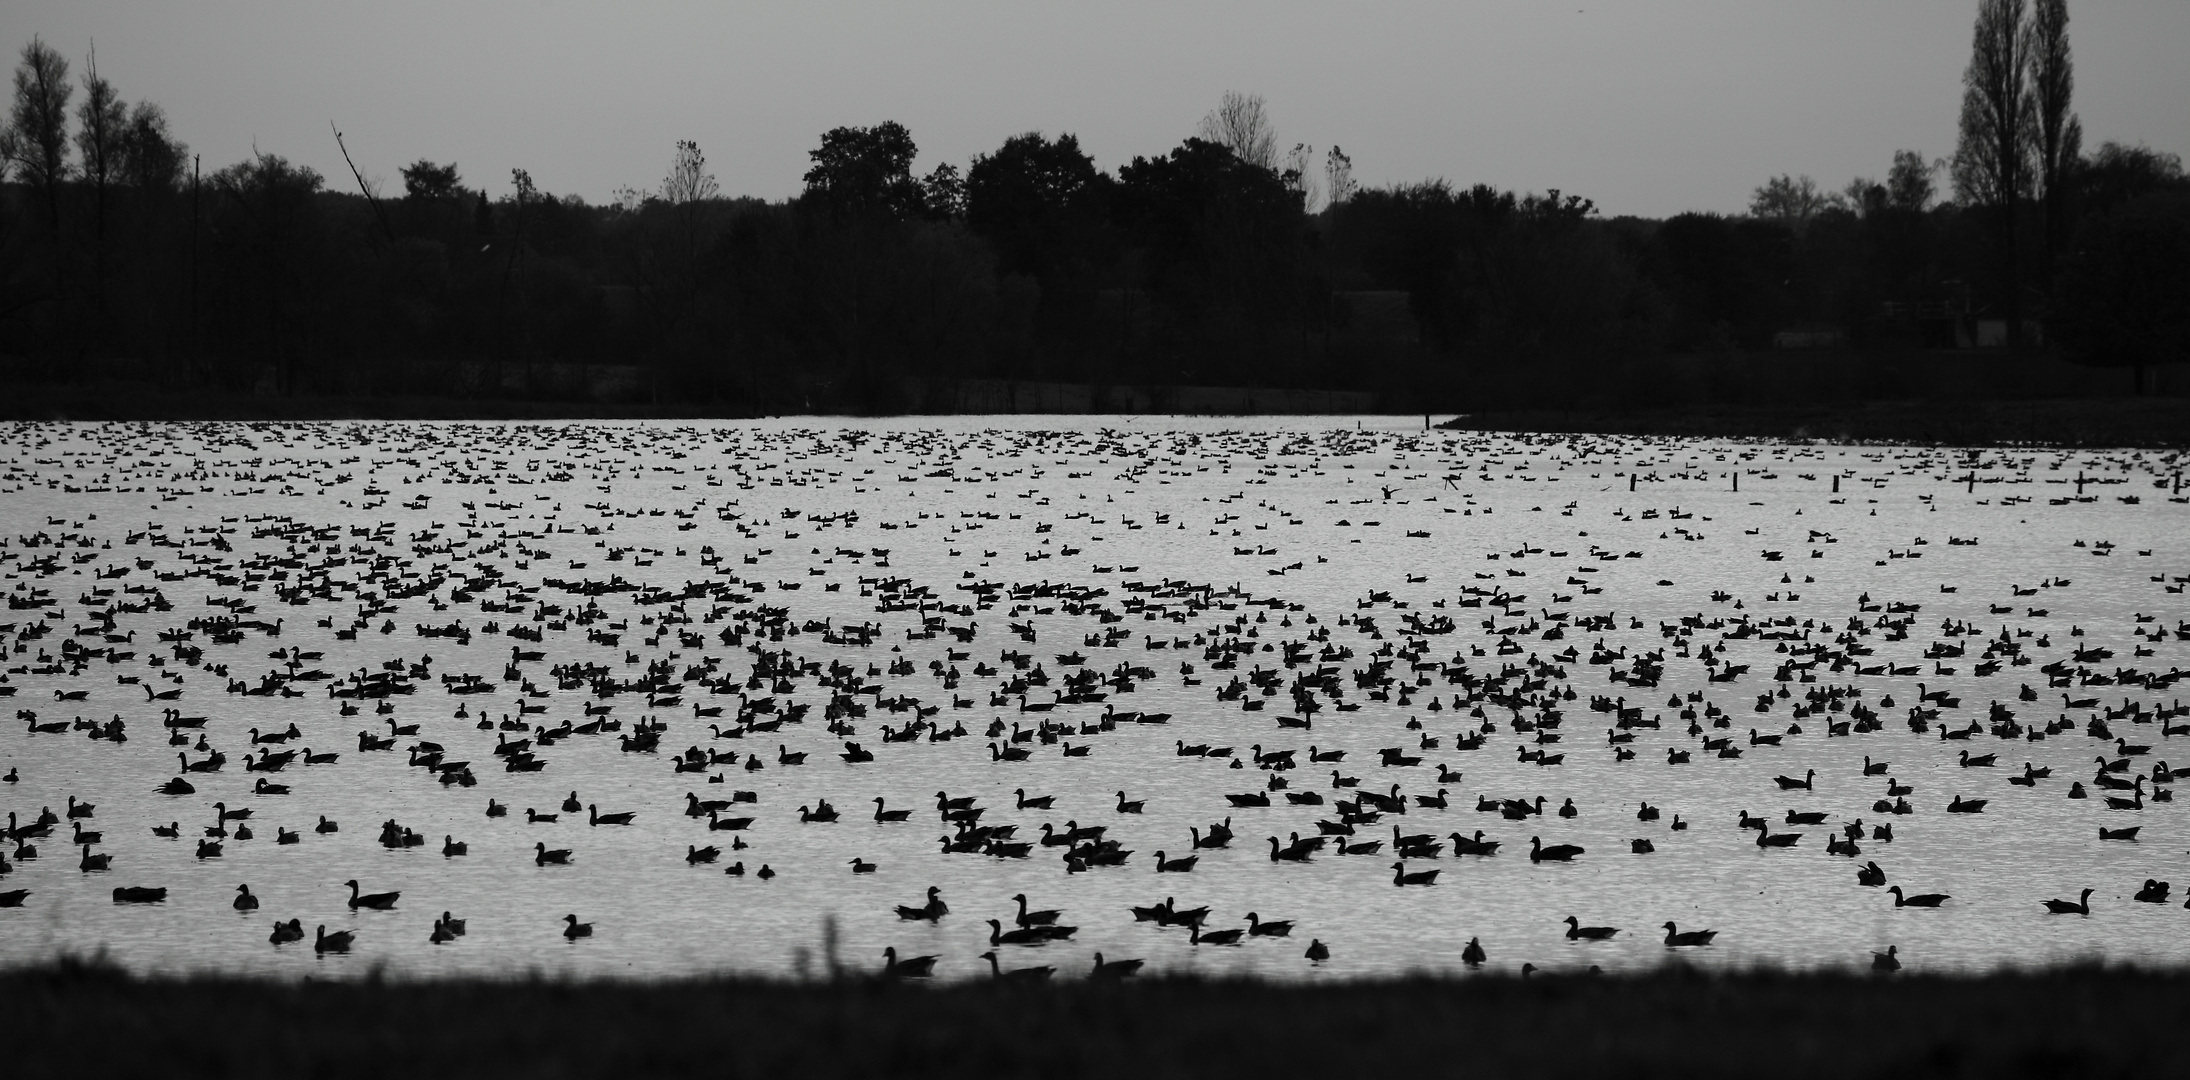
x: 1630, y: 481
x: 2079, y: 481
x: 1737, y: 480
x: 1973, y: 481
x: 1836, y: 483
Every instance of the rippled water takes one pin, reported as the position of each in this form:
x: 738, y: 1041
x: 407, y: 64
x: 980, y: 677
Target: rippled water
x: 1319, y: 516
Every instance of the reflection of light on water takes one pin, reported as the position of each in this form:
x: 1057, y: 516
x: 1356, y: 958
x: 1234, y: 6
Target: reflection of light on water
x: 655, y: 915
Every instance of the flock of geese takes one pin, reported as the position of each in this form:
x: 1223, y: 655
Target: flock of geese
x: 541, y: 589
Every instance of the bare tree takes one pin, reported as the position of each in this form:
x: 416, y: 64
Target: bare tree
x: 1793, y: 200
x: 1338, y: 176
x: 1240, y: 124
x: 1300, y: 176
x: 100, y: 121
x: 39, y: 123
x: 688, y: 180
x: 2059, y: 142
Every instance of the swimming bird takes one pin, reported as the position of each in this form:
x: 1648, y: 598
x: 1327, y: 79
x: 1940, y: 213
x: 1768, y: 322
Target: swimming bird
x: 1256, y: 927
x: 911, y: 967
x: 1676, y: 938
x: 1401, y: 877
x: 1317, y: 952
x: 1919, y: 900
x: 1016, y: 975
x: 376, y: 901
x: 2079, y: 906
x: 931, y: 911
x: 1890, y: 960
x: 1045, y: 917
x: 1473, y: 955
x: 542, y: 856
x: 1575, y: 931
x: 595, y: 817
x: 244, y: 900
x: 337, y: 942
x: 1114, y: 969
x: 573, y: 929
x: 1538, y: 853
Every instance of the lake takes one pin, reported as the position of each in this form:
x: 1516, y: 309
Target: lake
x: 645, y: 615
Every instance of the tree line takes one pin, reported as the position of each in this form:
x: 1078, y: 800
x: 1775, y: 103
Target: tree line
x: 1223, y: 260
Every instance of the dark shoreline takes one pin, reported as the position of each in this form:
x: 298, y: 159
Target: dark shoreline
x: 83, y: 1020
x: 2152, y: 423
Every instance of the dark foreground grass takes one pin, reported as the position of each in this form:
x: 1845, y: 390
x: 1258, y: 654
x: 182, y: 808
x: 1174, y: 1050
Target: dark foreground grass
x: 84, y: 1020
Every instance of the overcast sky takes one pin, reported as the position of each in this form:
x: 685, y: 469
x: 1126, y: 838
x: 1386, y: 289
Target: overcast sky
x: 1647, y: 106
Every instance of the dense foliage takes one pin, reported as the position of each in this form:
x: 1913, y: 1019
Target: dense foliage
x: 1200, y: 265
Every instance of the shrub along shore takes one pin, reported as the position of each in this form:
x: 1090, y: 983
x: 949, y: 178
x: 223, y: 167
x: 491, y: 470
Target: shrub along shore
x: 84, y: 1020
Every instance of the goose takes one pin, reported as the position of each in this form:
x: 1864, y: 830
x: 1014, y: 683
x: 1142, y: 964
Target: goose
x: 765, y: 873
x: 440, y: 935
x: 494, y: 809
x: 696, y: 856
x: 325, y: 826
x: 450, y: 923
x: 1789, y: 783
x: 1676, y: 938
x: 244, y: 901
x: 140, y: 894
x: 573, y: 929
x: 81, y: 837
x: 1960, y: 805
x: 91, y: 863
x: 2081, y: 906
x: 1256, y: 927
x: 1475, y: 845
x: 209, y: 849
x: 1871, y: 768
x: 1890, y: 960
x: 1043, y: 802
x: 376, y: 901
x: 286, y: 932
x: 534, y: 817
x: 931, y: 911
x: 911, y: 967
x: 1919, y: 900
x: 337, y: 942
x: 451, y: 849
x: 2129, y: 833
x: 1575, y: 931
x: 1214, y: 937
x: 1538, y: 853
x: 1025, y: 918
x: 2154, y: 892
x: 1981, y: 761
x: 1114, y: 969
x: 1317, y: 952
x: 1401, y: 877
x: 1024, y: 935
x: 595, y: 817
x: 1125, y: 807
x: 541, y: 856
x: 862, y: 866
x: 883, y: 816
x: 1767, y: 839
x: 1175, y: 866
x: 1473, y: 955
x: 1016, y: 975
x: 172, y: 830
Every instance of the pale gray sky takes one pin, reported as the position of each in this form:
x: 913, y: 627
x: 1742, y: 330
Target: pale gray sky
x: 1647, y: 106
